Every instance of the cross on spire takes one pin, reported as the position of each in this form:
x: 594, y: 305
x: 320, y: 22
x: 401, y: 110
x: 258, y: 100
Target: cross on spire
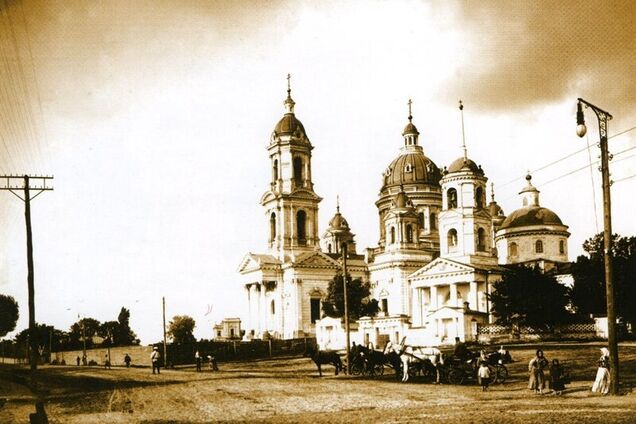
x: 461, y: 111
x: 288, y: 83
x: 492, y: 191
x: 338, y: 203
x: 410, y: 102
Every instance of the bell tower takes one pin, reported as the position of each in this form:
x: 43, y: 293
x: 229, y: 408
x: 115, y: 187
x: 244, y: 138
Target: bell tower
x: 291, y: 205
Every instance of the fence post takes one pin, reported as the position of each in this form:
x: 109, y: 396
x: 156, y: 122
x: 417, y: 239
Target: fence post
x: 234, y: 345
x: 269, y: 342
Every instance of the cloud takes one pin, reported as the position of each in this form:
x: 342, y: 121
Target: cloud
x: 537, y: 52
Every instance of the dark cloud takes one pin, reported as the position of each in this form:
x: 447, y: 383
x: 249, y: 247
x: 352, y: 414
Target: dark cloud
x: 532, y: 52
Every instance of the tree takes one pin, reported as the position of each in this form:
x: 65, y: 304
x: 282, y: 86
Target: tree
x: 125, y: 334
x: 588, y: 292
x: 359, y: 302
x: 109, y: 331
x: 88, y: 327
x: 180, y: 329
x: 9, y: 314
x: 526, y: 296
x: 49, y: 339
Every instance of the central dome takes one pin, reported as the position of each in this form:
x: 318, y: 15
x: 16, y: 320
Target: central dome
x: 411, y: 168
x: 531, y: 215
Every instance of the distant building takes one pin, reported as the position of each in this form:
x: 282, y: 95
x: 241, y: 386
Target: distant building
x: 440, y: 250
x: 228, y: 329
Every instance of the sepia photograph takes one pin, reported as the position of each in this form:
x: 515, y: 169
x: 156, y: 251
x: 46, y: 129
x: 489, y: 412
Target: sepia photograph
x: 296, y: 211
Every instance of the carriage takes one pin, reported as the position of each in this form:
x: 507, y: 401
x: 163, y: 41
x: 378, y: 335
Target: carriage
x: 459, y: 371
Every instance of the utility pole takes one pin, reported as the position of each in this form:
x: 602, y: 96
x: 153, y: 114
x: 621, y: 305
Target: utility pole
x: 612, y: 340
x: 12, y: 184
x: 165, y: 349
x: 346, y: 304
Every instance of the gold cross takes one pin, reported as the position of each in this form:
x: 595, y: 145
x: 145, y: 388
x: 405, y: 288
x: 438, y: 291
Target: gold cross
x: 288, y: 82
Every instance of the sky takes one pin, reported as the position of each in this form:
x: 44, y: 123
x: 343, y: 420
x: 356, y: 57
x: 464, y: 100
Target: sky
x: 154, y: 117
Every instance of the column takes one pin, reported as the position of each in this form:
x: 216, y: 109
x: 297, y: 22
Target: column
x: 472, y: 296
x: 433, y: 298
x: 249, y: 306
x: 417, y: 306
x: 453, y: 294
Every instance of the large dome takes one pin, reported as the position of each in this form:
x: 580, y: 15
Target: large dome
x: 289, y: 125
x: 531, y: 215
x: 409, y: 168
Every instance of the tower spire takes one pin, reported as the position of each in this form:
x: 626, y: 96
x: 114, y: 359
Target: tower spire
x: 492, y: 191
x: 461, y: 111
x: 289, y: 102
x: 337, y: 203
x: 410, y: 102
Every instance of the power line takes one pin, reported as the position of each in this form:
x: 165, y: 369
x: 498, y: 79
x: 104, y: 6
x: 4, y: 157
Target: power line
x: 624, y: 178
x: 564, y: 158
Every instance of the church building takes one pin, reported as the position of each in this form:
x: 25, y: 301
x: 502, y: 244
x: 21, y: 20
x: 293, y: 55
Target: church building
x: 441, y: 247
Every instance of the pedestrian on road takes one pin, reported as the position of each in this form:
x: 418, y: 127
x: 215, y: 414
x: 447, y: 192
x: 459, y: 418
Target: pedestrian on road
x: 127, y: 360
x: 557, y: 377
x: 198, y: 360
x: 483, y: 375
x: 602, y: 382
x: 537, y: 376
x: 106, y: 362
x: 78, y: 360
x: 154, y: 357
x: 213, y: 364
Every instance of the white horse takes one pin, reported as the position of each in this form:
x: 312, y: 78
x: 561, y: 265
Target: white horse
x: 417, y: 356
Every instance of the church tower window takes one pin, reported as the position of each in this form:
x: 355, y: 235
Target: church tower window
x: 392, y: 235
x: 275, y: 170
x: 432, y: 222
x: 272, y: 227
x: 481, y: 240
x: 479, y: 198
x: 409, y: 234
x: 301, y: 223
x: 512, y: 249
x: 561, y: 247
x: 298, y: 170
x: 452, y: 238
x: 273, y: 307
x: 538, y: 246
x: 451, y: 196
x: 329, y: 248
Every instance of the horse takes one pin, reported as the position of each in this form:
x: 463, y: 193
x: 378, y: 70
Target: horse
x: 371, y: 358
x: 323, y: 357
x: 428, y: 360
x: 392, y: 356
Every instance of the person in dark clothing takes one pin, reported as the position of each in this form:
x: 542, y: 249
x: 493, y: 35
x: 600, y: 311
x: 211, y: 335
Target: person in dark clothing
x: 127, y: 360
x: 198, y: 360
x: 155, y: 358
x: 557, y: 381
x: 461, y: 351
x: 78, y: 360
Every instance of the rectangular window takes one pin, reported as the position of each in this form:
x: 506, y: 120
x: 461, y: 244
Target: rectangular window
x: 315, y: 310
x: 385, y: 306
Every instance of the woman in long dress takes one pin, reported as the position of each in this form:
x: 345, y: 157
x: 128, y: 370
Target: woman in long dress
x: 602, y: 381
x: 537, y: 376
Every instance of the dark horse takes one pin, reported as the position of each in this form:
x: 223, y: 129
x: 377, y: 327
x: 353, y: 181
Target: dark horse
x: 323, y: 357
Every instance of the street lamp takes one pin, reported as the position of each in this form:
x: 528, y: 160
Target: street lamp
x: 581, y: 130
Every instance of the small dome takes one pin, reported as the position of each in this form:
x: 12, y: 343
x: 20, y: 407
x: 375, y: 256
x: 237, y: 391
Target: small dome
x: 410, y: 129
x: 410, y: 168
x: 464, y: 164
x: 495, y: 210
x: 531, y: 215
x: 338, y: 222
x: 289, y: 125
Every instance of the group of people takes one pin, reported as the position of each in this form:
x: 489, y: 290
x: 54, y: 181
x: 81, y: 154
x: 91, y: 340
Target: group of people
x: 558, y: 377
x: 211, y: 361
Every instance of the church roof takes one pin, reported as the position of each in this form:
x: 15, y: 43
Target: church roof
x: 421, y: 170
x: 464, y: 164
x: 289, y: 125
x: 531, y: 215
x: 410, y: 129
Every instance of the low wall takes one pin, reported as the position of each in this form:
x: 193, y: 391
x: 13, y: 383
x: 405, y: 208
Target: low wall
x: 140, y: 355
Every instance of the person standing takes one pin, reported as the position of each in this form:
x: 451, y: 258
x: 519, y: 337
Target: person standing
x: 537, y: 376
x: 78, y: 360
x: 106, y: 362
x: 557, y: 382
x: 602, y: 381
x: 155, y: 358
x: 127, y: 360
x: 483, y: 375
x: 198, y: 359
x: 461, y: 351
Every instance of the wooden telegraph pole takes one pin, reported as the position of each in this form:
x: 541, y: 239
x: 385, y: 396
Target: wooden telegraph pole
x: 12, y: 184
x: 346, y: 304
x: 165, y: 349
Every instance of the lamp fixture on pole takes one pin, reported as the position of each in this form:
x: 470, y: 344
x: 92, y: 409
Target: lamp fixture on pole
x: 581, y: 130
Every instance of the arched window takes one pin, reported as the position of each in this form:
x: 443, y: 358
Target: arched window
x: 538, y: 246
x: 392, y: 235
x: 452, y: 238
x: 481, y: 240
x: 273, y: 307
x: 301, y: 222
x: 512, y: 249
x: 451, y: 196
x: 298, y: 170
x: 420, y: 220
x: 432, y: 222
x: 272, y: 227
x: 409, y: 234
x: 275, y: 170
x: 329, y: 248
x: 479, y: 198
x: 562, y: 247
